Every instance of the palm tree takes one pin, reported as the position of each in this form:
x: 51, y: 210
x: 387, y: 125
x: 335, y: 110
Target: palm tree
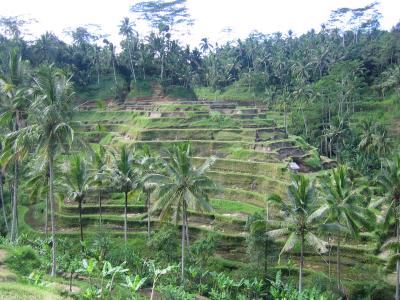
x: 99, y: 174
x: 3, y: 207
x: 38, y: 184
x: 51, y: 127
x: 148, y: 165
x: 76, y: 178
x: 183, y: 187
x: 126, y: 29
x: 344, y: 214
x: 11, y: 112
x: 124, y: 174
x: 382, y: 142
x: 205, y: 45
x: 299, y: 220
x: 390, y: 181
x: 367, y: 136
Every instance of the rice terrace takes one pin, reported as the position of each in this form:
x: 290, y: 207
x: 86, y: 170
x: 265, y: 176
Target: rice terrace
x: 149, y: 166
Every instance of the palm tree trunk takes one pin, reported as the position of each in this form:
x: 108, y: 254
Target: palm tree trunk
x: 100, y: 211
x: 51, y: 199
x: 266, y: 266
x: 14, y: 222
x: 46, y: 215
x: 338, y: 261
x: 80, y: 219
x: 329, y: 258
x: 2, y: 202
x: 131, y: 62
x: 126, y: 219
x: 183, y: 243
x: 397, y: 261
x: 304, y: 121
x: 285, y: 116
x: 162, y: 67
x: 301, y: 263
x: 148, y: 214
x: 187, y: 231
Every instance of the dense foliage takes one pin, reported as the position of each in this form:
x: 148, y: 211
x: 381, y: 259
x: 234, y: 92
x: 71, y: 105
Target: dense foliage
x: 319, y: 81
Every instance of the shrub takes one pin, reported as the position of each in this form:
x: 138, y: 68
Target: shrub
x: 23, y: 260
x: 164, y: 244
x: 171, y: 292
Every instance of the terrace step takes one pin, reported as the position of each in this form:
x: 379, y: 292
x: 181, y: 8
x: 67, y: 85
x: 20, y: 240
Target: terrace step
x: 117, y: 223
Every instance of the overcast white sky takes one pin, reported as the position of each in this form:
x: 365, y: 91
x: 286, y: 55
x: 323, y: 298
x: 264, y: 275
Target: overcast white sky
x: 211, y: 16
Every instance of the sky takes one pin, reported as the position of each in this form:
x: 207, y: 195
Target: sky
x: 212, y: 17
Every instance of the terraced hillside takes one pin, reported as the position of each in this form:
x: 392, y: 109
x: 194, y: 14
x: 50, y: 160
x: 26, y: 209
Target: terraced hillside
x: 254, y: 156
x: 251, y: 145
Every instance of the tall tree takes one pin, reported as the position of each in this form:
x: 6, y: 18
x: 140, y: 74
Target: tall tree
x: 126, y: 29
x: 343, y: 210
x: 12, y: 113
x: 183, y: 187
x: 99, y: 176
x: 163, y: 16
x: 76, y: 178
x: 167, y: 12
x: 51, y: 129
x: 148, y: 165
x: 124, y: 174
x: 300, y: 220
x: 390, y: 182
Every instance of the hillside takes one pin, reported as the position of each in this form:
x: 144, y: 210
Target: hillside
x: 152, y: 166
x: 254, y: 157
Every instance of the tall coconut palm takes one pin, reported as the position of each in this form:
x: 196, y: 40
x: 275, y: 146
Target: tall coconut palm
x: 148, y: 164
x: 367, y: 136
x: 3, y: 206
x: 99, y: 176
x: 126, y: 29
x: 12, y: 154
x: 183, y: 187
x: 390, y: 182
x: 299, y: 221
x: 51, y: 128
x: 382, y: 142
x: 76, y: 178
x: 11, y: 112
x: 38, y: 184
x: 343, y: 211
x: 124, y: 174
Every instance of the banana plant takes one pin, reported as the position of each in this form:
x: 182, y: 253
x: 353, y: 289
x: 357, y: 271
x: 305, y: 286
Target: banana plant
x: 134, y: 284
x: 157, y: 273
x: 88, y: 268
x: 109, y: 272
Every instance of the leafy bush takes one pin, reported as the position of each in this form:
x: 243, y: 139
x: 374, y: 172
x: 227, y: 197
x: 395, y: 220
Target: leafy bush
x: 286, y: 290
x: 180, y: 92
x: 23, y: 260
x: 140, y: 88
x: 165, y: 244
x: 171, y: 292
x: 203, y: 249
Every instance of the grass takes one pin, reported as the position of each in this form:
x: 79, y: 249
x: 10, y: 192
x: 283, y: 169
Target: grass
x: 104, y: 90
x: 105, y: 116
x: 188, y: 107
x: 233, y: 92
x: 140, y: 88
x: 227, y: 206
x: 19, y: 291
x: 180, y: 92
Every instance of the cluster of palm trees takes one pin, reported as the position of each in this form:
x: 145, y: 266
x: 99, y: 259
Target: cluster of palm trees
x: 335, y: 207
x: 174, y: 182
x: 40, y: 132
